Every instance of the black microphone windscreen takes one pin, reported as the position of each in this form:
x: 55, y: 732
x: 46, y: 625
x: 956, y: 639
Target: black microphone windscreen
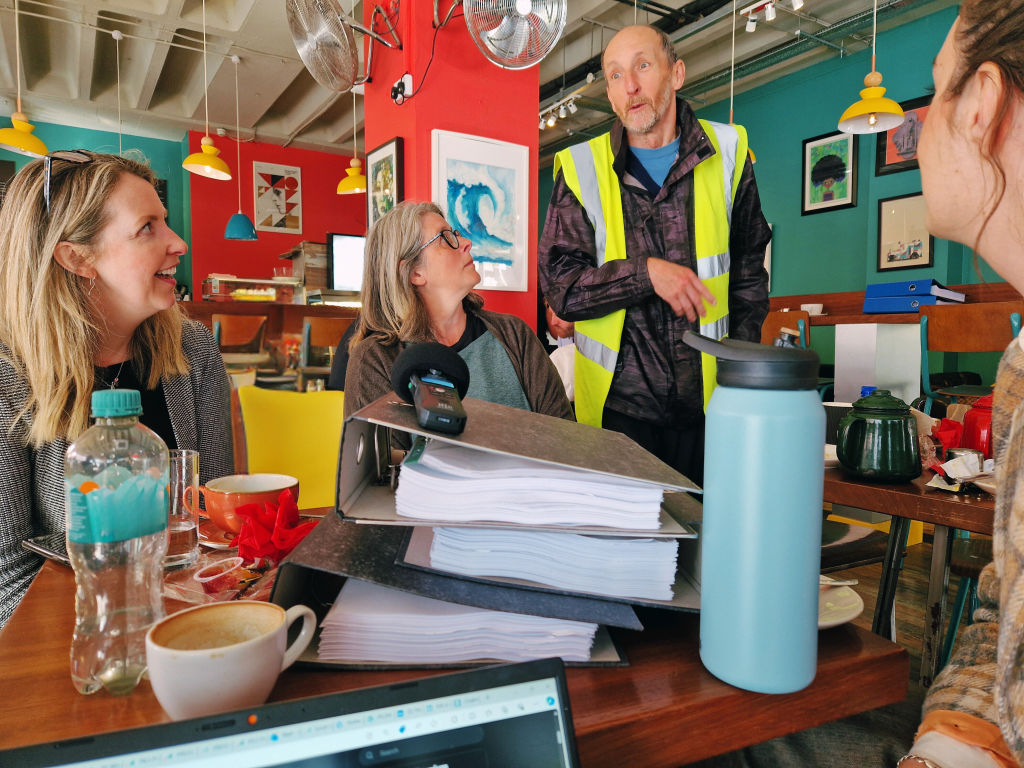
x: 423, y: 358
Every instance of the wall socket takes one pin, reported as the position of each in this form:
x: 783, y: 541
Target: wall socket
x: 402, y: 89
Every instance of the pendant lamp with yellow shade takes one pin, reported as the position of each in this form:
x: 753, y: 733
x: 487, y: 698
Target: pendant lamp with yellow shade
x: 19, y: 138
x: 873, y: 113
x: 354, y: 182
x: 205, y: 162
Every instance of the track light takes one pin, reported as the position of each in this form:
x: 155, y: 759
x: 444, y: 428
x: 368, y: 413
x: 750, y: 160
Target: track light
x: 798, y: 4
x: 769, y: 12
x: 752, y: 22
x: 541, y: 126
x: 573, y: 107
x: 561, y: 111
x: 551, y: 120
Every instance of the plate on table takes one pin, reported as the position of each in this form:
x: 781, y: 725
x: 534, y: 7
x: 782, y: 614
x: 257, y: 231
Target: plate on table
x: 213, y: 537
x: 986, y: 485
x: 838, y: 605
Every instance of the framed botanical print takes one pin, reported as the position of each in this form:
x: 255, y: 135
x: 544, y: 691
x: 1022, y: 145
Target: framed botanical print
x: 829, y: 173
x: 385, y: 179
x: 897, y: 148
x: 903, y: 239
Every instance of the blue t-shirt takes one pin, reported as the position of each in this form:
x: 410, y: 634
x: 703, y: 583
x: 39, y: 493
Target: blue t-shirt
x: 657, y: 162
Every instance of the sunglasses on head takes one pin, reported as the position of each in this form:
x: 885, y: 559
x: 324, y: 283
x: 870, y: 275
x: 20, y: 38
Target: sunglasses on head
x: 76, y: 156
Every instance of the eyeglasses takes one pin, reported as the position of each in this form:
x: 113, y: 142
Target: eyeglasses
x: 77, y: 156
x: 447, y: 235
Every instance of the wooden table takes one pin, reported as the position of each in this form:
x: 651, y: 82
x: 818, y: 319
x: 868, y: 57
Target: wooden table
x: 663, y: 710
x: 973, y: 512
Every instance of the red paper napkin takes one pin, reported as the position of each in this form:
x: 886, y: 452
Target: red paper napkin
x: 949, y: 433
x: 271, y: 531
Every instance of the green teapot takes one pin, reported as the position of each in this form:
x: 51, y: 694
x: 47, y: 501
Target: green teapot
x: 878, y: 439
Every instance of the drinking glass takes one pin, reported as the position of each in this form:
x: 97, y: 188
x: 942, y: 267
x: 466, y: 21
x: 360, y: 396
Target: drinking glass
x: 183, y: 512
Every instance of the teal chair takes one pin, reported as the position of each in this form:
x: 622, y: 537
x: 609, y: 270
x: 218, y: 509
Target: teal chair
x: 965, y: 328
x: 968, y: 558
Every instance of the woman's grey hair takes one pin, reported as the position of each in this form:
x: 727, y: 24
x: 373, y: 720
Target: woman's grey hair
x: 392, y: 309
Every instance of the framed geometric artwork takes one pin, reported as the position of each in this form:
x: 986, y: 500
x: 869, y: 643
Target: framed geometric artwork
x: 385, y: 179
x: 897, y: 148
x: 482, y: 185
x: 277, y: 190
x: 829, y: 180
x: 903, y: 239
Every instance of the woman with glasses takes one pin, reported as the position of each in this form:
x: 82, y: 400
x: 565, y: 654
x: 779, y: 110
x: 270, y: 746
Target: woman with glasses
x: 87, y: 300
x: 418, y: 286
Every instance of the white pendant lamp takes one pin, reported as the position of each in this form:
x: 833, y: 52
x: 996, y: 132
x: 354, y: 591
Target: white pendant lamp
x: 240, y: 226
x: 873, y: 113
x: 206, y: 163
x: 19, y: 138
x: 355, y: 182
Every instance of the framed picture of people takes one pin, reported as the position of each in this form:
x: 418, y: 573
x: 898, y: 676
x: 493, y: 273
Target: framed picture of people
x: 903, y: 239
x: 385, y: 171
x: 829, y: 181
x: 897, y: 148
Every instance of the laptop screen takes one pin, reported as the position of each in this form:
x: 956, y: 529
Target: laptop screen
x: 521, y: 725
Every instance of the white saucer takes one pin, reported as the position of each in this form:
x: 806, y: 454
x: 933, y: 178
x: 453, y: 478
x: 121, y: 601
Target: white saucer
x: 986, y: 486
x: 838, y: 605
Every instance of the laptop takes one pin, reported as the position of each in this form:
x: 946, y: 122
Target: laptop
x: 507, y: 716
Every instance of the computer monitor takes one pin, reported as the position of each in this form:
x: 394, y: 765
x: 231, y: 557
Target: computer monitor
x: 345, y: 262
x: 508, y: 716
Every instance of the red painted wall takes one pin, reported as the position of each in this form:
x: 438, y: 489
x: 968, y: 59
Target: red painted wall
x: 463, y: 92
x: 214, y: 202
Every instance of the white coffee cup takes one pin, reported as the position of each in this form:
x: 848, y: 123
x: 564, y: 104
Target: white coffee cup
x: 812, y: 309
x: 223, y: 656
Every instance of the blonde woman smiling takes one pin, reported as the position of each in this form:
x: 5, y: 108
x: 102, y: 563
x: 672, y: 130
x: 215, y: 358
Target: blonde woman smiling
x: 87, y: 300
x: 418, y: 282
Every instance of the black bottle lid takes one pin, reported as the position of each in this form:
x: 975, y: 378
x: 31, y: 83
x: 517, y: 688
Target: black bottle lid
x: 744, y: 365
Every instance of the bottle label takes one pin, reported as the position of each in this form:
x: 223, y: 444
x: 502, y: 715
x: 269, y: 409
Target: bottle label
x: 100, y: 514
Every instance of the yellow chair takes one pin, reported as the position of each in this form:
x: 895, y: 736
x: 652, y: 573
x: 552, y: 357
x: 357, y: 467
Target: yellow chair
x: 297, y: 434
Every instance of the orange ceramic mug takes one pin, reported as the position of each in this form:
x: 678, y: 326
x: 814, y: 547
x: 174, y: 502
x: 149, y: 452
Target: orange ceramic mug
x: 225, y: 494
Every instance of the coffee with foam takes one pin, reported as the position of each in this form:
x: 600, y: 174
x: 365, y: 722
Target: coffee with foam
x: 234, y: 623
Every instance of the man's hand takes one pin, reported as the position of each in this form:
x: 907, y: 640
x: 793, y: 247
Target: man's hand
x: 680, y: 287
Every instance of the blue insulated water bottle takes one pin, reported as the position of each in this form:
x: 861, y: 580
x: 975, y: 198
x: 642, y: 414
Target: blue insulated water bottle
x: 764, y: 464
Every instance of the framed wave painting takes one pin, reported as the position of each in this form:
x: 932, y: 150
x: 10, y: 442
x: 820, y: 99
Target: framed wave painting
x: 482, y: 185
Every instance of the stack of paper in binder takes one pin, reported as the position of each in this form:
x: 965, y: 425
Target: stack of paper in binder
x: 499, y: 518
x: 907, y: 296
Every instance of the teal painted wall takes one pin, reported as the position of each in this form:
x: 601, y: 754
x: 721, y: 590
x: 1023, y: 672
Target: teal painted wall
x: 164, y: 158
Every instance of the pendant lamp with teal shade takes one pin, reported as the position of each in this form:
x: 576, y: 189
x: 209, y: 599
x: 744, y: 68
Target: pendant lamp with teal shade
x: 240, y: 226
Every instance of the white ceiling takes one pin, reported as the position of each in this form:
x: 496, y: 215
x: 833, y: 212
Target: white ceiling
x: 69, y: 72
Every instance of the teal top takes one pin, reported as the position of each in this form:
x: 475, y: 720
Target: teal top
x: 491, y: 375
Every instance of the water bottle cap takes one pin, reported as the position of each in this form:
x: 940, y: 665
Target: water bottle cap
x: 111, y: 403
x: 745, y: 365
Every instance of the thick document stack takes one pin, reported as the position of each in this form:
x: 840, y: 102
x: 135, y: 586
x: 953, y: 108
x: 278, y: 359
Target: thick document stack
x: 547, y: 532
x: 450, y: 483
x: 600, y: 565
x: 372, y: 622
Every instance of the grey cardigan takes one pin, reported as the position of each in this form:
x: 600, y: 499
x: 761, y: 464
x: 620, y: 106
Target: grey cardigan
x: 32, y: 481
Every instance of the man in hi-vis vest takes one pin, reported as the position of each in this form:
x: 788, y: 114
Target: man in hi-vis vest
x: 654, y: 229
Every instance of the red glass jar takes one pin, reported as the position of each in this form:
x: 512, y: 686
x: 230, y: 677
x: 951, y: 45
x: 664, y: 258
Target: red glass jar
x: 978, y: 427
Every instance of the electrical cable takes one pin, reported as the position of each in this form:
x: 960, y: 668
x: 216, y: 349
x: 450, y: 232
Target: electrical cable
x: 431, y: 59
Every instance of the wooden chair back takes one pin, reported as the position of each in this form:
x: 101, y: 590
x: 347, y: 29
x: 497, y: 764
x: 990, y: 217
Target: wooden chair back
x: 326, y: 331
x: 240, y: 330
x: 776, y: 321
x: 970, y: 327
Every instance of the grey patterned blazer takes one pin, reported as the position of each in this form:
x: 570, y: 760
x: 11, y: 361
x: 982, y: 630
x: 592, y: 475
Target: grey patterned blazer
x: 32, y: 481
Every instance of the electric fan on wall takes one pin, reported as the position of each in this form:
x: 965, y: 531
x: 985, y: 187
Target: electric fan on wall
x: 323, y: 37
x: 515, y: 34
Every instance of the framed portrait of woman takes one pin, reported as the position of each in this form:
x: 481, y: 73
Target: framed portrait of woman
x: 829, y: 181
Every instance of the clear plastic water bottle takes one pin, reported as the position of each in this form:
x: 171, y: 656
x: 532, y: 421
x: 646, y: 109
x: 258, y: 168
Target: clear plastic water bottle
x: 115, y: 482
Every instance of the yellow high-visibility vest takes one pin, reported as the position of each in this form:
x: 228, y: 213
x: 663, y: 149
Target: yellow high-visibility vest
x: 587, y: 170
